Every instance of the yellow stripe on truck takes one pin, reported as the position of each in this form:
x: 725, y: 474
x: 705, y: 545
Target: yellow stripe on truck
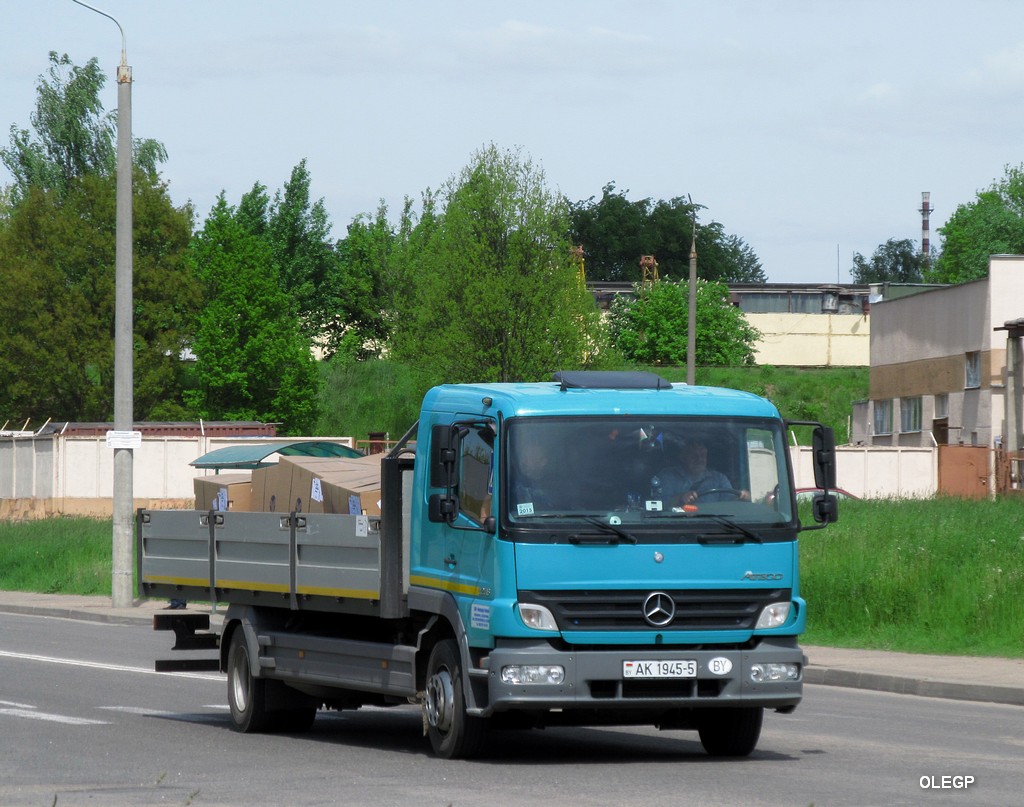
x: 444, y: 585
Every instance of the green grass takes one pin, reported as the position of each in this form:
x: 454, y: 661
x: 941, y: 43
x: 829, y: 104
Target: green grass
x: 57, y: 556
x: 934, y: 576
x: 363, y: 397
x: 937, y: 576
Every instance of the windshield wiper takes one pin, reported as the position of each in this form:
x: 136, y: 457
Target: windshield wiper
x: 611, y: 533
x: 740, y: 533
x: 725, y: 521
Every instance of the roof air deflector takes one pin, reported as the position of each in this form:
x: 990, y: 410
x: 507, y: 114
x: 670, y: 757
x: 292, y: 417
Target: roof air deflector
x: 610, y: 379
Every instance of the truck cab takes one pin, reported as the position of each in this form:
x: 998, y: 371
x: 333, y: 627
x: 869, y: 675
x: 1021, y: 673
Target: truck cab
x: 600, y: 562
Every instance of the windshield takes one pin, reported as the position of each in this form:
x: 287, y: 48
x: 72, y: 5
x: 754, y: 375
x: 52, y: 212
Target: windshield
x: 570, y: 472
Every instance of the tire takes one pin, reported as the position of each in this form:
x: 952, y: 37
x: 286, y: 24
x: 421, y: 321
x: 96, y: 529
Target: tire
x: 453, y: 734
x: 246, y: 694
x: 730, y: 732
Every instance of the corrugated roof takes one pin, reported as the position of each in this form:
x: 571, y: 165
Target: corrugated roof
x: 255, y: 455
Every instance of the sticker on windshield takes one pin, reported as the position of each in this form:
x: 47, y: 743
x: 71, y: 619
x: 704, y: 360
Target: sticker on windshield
x: 524, y: 509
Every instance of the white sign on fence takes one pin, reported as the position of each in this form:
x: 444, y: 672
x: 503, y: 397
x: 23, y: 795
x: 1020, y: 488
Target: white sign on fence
x: 120, y: 439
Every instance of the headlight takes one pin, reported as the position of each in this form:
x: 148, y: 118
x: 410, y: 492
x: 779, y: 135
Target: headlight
x: 537, y: 617
x: 774, y: 615
x: 532, y: 674
x: 774, y: 671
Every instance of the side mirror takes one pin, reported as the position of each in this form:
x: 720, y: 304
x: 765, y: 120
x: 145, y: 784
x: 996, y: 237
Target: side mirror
x: 442, y: 455
x: 824, y: 448
x: 442, y: 508
x: 445, y: 440
x: 825, y: 508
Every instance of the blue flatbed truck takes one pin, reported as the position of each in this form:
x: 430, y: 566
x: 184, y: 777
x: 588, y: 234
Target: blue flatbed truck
x: 496, y: 596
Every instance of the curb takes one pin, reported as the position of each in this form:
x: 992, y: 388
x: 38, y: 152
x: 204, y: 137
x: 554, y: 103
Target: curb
x: 76, y: 613
x: 900, y: 685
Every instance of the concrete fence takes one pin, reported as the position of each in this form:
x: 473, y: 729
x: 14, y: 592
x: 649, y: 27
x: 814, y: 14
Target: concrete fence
x: 876, y: 472
x: 73, y: 475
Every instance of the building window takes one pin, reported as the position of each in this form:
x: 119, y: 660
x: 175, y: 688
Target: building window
x: 910, y: 414
x: 883, y: 417
x: 942, y: 406
x: 972, y: 370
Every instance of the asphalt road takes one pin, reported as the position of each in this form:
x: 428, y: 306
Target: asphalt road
x: 84, y: 721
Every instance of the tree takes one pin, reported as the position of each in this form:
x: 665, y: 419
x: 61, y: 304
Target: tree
x: 895, y: 261
x: 299, y: 234
x: 993, y: 224
x: 615, y: 232
x: 73, y: 135
x: 653, y: 326
x: 359, y: 328
x: 493, y: 292
x: 56, y: 346
x: 252, y: 361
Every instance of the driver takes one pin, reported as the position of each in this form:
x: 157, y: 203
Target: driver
x: 692, y: 481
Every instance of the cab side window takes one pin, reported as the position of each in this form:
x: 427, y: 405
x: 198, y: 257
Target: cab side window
x: 476, y: 474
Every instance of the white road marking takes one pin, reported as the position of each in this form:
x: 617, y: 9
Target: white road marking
x: 34, y: 714
x: 138, y: 710
x: 96, y: 665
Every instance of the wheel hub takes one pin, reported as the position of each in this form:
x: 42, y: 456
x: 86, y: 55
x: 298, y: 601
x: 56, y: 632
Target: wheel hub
x: 440, y: 702
x: 240, y: 683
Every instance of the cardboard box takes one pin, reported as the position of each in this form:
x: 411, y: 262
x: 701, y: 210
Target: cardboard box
x: 224, y: 492
x: 352, y: 496
x: 272, y: 488
x: 312, y: 485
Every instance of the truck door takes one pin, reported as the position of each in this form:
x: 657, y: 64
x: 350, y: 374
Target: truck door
x: 469, y: 539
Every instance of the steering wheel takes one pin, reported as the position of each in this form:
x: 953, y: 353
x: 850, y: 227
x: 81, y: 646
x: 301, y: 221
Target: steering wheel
x: 736, y: 494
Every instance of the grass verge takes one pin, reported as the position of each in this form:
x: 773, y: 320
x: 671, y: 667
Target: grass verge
x: 57, y: 556
x: 932, y: 576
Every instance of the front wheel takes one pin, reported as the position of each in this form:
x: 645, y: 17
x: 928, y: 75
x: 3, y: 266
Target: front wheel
x: 730, y: 732
x: 453, y: 734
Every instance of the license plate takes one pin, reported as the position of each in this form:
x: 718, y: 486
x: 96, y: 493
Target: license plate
x: 659, y: 668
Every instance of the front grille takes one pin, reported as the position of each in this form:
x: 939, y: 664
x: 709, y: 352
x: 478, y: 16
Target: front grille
x: 695, y: 610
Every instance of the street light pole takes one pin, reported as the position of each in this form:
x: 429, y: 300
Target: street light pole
x: 123, y: 494
x: 691, y: 330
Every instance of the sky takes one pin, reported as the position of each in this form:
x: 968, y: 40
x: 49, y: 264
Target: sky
x: 808, y: 129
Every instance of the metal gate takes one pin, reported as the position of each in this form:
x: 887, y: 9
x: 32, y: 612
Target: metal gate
x: 964, y: 471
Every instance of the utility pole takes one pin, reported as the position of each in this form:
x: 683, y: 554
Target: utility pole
x: 123, y: 439
x: 691, y: 328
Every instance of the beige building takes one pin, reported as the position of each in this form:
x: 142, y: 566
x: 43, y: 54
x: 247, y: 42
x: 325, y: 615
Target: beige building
x: 801, y: 324
x: 812, y: 340
x: 807, y: 325
x: 938, y: 364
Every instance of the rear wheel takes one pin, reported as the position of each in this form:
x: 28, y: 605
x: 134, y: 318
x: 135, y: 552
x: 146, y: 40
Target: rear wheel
x: 246, y: 694
x: 453, y: 734
x: 730, y: 732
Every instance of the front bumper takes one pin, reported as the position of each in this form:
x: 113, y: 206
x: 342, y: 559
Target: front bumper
x: 594, y: 679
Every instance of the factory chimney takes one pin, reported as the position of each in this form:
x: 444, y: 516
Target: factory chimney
x: 925, y: 211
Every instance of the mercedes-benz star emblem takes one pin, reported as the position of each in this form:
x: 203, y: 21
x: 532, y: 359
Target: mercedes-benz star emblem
x: 659, y: 609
